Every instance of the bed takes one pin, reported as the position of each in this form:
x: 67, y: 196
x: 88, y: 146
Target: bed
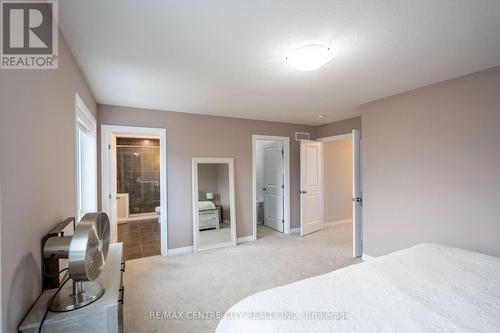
x: 426, y: 288
x: 209, y: 215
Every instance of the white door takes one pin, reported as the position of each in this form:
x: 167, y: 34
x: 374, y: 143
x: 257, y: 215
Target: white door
x: 357, y: 196
x: 273, y: 186
x: 311, y: 187
x: 113, y: 215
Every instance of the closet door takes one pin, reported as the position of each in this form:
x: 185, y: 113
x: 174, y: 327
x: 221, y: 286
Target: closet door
x: 274, y: 186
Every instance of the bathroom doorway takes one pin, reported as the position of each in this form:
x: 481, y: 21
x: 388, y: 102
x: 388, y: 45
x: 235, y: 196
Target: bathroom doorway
x: 134, y: 179
x: 138, y: 195
x: 271, y: 185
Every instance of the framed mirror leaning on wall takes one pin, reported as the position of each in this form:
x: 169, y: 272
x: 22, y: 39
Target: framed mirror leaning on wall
x: 214, y: 214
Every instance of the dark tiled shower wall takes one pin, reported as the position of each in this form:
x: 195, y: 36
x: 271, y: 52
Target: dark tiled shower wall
x: 138, y: 172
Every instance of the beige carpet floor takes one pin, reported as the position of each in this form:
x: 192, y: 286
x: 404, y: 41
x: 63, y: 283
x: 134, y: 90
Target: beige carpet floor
x: 214, y: 280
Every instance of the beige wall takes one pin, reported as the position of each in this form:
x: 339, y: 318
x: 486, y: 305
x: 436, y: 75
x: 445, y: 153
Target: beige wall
x: 339, y: 127
x: 432, y: 166
x: 37, y: 171
x: 191, y: 135
x: 337, y: 171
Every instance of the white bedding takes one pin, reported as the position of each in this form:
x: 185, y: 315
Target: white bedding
x: 206, y: 205
x: 426, y: 288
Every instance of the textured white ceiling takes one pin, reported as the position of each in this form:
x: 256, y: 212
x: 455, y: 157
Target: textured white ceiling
x: 227, y: 57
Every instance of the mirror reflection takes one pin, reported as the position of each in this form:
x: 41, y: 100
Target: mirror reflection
x: 213, y: 204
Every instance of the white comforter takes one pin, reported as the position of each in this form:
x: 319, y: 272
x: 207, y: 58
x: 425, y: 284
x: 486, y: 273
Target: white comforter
x: 206, y: 205
x: 426, y: 288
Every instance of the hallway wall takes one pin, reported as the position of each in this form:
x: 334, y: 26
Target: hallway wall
x: 337, y: 162
x: 37, y: 174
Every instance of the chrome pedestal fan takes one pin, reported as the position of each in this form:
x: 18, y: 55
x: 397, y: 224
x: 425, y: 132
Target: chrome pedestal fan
x: 86, y: 251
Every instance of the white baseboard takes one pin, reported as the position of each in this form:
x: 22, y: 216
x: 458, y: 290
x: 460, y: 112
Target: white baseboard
x: 297, y: 230
x: 338, y: 222
x: 180, y: 250
x: 366, y: 257
x: 245, y: 239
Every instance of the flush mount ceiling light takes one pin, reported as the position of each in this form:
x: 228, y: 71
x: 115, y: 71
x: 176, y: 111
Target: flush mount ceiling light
x: 310, y: 57
x: 321, y: 116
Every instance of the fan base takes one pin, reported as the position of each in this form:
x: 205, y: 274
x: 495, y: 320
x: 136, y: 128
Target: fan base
x: 92, y: 291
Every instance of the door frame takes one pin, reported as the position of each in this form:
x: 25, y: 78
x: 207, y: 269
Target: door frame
x: 342, y: 137
x: 286, y: 171
x: 145, y: 132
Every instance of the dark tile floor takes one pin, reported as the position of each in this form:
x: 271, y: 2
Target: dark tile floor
x: 140, y: 239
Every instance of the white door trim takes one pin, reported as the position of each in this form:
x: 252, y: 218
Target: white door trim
x: 286, y: 145
x: 84, y: 116
x: 161, y: 133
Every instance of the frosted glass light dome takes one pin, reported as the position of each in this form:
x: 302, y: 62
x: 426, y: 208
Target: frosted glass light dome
x: 310, y: 57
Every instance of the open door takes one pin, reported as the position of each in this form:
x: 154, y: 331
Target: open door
x: 274, y: 186
x: 357, y: 196
x: 311, y: 187
x: 113, y: 214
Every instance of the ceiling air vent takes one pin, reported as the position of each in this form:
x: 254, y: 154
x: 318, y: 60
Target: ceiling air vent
x: 302, y: 136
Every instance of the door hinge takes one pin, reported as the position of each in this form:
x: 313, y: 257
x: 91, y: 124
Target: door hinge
x: 282, y: 152
x: 109, y: 147
x: 283, y: 221
x: 110, y: 196
x: 283, y: 186
x: 358, y: 199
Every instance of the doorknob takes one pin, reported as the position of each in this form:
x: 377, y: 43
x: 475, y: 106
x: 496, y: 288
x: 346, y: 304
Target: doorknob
x: 303, y: 192
x: 264, y: 189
